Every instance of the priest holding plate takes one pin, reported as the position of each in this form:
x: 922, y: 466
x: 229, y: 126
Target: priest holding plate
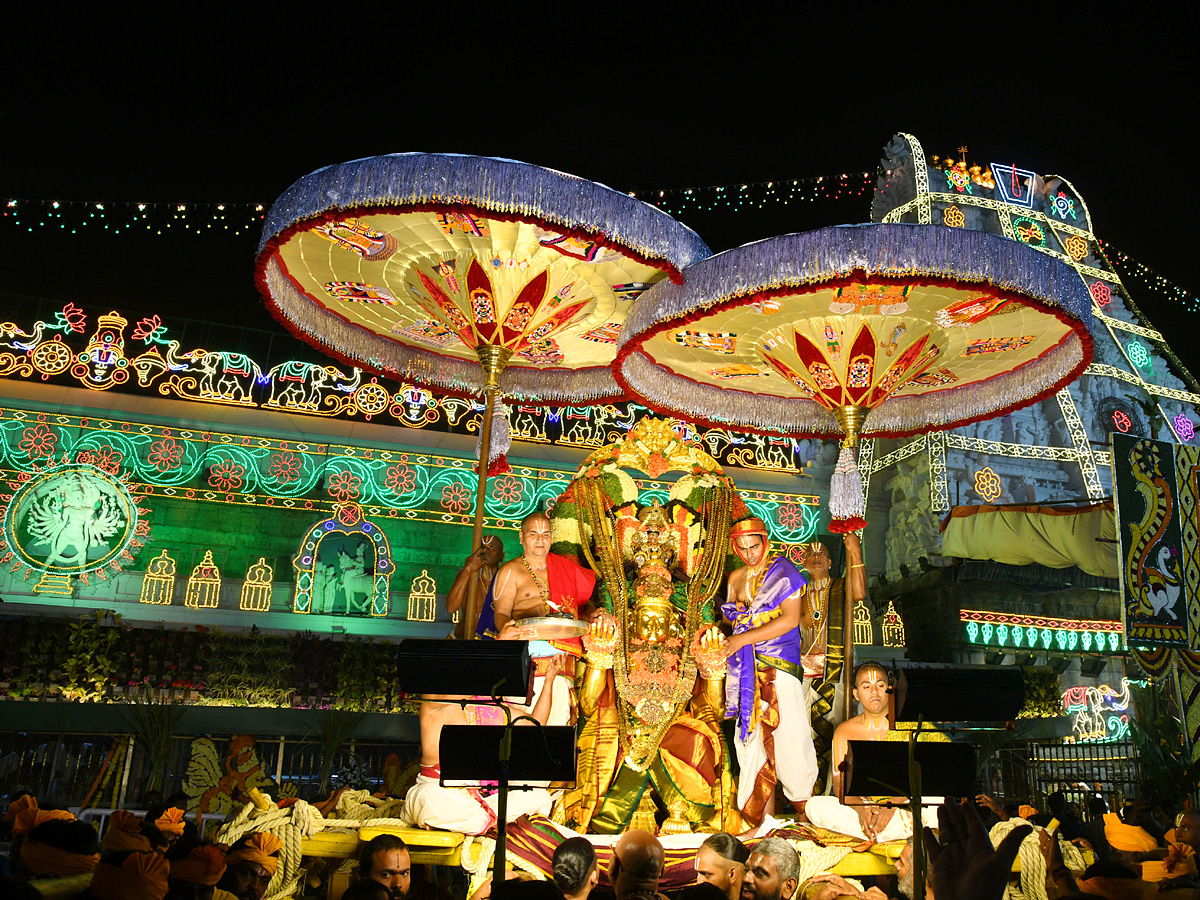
x: 538, y: 597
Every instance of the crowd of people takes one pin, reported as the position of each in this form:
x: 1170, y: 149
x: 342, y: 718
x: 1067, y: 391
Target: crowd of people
x: 160, y: 855
x: 970, y: 854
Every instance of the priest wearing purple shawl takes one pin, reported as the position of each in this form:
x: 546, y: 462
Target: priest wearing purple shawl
x: 764, y: 688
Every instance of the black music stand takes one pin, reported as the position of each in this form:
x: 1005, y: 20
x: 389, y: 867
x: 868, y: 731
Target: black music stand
x: 936, y: 693
x: 472, y: 670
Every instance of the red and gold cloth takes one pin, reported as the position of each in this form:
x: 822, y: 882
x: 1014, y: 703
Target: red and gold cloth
x: 570, y: 586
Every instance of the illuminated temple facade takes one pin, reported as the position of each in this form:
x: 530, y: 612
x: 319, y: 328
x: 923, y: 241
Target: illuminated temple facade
x: 300, y: 496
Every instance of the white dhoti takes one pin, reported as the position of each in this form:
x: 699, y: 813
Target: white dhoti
x: 831, y: 813
x: 795, y: 757
x: 560, y: 702
x: 429, y: 805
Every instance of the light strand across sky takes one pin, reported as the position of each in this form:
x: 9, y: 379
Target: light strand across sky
x: 125, y: 217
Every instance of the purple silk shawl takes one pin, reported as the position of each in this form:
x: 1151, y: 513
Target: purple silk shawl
x: 781, y: 580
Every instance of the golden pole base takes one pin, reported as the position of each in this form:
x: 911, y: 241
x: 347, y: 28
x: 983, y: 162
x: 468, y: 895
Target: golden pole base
x: 493, y: 358
x: 852, y: 418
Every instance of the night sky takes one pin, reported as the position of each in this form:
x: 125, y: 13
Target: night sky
x: 235, y: 110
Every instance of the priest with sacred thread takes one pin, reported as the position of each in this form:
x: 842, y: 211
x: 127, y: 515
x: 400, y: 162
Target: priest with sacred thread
x: 540, y: 583
x: 765, y: 685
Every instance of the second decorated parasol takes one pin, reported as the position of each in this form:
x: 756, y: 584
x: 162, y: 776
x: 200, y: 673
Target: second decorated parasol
x: 467, y: 274
x: 871, y: 330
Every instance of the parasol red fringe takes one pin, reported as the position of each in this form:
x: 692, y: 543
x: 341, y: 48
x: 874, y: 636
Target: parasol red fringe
x: 845, y: 526
x: 499, y: 466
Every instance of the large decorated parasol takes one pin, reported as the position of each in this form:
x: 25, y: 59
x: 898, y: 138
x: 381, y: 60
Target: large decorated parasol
x: 871, y: 330
x: 467, y: 274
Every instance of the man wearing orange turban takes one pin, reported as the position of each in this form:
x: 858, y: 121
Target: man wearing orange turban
x: 170, y: 824
x: 250, y: 865
x: 124, y: 833
x: 204, y: 865
x: 26, y: 815
x: 139, y: 876
x: 60, y: 847
x: 50, y: 841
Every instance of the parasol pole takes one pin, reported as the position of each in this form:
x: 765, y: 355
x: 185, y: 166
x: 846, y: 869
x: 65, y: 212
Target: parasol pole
x: 851, y: 417
x: 493, y: 359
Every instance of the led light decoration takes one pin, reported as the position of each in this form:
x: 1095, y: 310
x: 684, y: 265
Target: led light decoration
x: 1138, y: 354
x: 203, y: 589
x: 1121, y: 421
x: 342, y: 566
x: 1077, y: 247
x: 1066, y: 215
x: 1032, y: 632
x: 1014, y: 185
x: 123, y: 217
x: 1062, y: 206
x: 256, y: 589
x: 953, y: 217
x: 988, y: 484
x: 1098, y: 714
x: 422, y: 598
x: 1184, y: 427
x: 1029, y: 231
x: 892, y: 627
x: 164, y: 368
x: 158, y: 584
x: 864, y: 629
x: 1101, y: 293
x: 64, y: 519
x: 958, y: 178
x: 175, y: 463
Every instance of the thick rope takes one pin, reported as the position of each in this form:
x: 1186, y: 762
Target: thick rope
x: 483, y: 863
x: 1033, y: 864
x: 294, y: 823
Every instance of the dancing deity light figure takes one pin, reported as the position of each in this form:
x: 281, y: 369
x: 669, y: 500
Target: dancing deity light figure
x: 765, y: 686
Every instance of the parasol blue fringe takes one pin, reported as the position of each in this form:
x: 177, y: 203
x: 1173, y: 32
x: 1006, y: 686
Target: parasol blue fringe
x: 829, y: 253
x: 900, y: 250
x: 503, y: 185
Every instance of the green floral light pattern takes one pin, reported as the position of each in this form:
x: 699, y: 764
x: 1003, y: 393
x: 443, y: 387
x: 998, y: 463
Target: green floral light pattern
x: 212, y: 466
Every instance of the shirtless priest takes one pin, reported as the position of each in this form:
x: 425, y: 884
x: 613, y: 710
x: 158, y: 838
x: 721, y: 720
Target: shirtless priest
x: 429, y: 805
x: 862, y: 818
x: 540, y: 583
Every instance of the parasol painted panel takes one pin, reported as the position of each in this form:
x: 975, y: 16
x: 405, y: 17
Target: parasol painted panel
x: 926, y: 327
x: 457, y: 281
x: 859, y: 342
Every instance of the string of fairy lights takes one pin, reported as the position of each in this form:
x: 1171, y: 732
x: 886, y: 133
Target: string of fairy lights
x: 236, y: 219
x: 758, y: 195
x: 1131, y: 270
x: 89, y: 217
